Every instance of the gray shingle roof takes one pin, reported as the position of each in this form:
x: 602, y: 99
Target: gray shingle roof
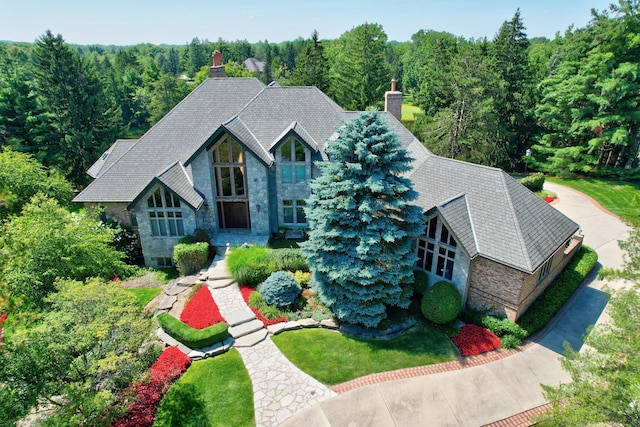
x: 512, y: 225
x: 176, y: 179
x: 184, y: 130
x: 110, y: 156
x: 489, y: 212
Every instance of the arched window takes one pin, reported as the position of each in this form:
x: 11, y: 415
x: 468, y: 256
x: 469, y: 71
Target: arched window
x: 436, y: 250
x: 165, y: 214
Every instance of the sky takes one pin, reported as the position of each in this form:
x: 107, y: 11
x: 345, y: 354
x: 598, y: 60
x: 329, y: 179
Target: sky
x: 128, y: 22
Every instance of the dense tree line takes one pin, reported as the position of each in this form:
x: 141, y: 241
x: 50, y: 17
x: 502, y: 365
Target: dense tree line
x: 567, y: 105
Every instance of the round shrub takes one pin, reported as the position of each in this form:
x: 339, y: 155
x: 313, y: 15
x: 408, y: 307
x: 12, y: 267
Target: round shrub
x: 441, y: 303
x: 420, y: 282
x: 280, y: 289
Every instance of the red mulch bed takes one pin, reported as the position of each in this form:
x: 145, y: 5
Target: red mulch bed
x: 549, y: 199
x: 171, y: 364
x: 474, y: 339
x: 246, y: 293
x: 201, y: 311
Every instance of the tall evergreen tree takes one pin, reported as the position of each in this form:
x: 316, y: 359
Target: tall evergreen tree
x: 360, y: 74
x: 361, y: 223
x: 312, y: 67
x: 513, y: 99
x: 86, y: 120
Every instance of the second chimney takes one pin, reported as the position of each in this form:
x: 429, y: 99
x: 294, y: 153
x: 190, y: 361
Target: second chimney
x: 217, y: 69
x: 393, y: 101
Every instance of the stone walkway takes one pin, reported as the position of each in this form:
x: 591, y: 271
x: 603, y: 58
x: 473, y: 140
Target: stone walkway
x: 280, y: 389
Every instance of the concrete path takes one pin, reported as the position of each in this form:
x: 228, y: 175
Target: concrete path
x: 499, y: 390
x: 280, y: 389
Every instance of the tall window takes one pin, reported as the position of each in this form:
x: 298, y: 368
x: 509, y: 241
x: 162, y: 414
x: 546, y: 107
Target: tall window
x: 165, y: 215
x: 436, y: 250
x: 229, y: 165
x: 293, y: 211
x: 293, y: 161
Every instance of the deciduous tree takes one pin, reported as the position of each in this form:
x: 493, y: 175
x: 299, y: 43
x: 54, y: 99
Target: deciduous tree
x: 78, y: 358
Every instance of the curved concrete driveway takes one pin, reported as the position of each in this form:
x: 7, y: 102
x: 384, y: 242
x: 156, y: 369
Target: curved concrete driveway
x: 498, y: 390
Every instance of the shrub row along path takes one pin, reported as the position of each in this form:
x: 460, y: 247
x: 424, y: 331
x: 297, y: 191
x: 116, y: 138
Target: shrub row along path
x: 504, y: 392
x: 280, y: 389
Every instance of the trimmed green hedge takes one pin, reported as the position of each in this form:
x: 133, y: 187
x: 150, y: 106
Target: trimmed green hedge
x: 559, y: 291
x: 190, y: 257
x: 533, y: 182
x: 193, y: 338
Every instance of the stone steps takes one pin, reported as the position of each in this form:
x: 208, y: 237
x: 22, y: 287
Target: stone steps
x: 252, y: 339
x: 245, y: 328
x: 237, y: 317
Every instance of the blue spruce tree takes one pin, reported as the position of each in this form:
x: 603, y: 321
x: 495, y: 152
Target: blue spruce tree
x: 361, y: 223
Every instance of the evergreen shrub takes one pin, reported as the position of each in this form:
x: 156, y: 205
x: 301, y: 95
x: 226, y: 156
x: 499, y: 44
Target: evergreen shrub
x: 280, y: 289
x: 533, y: 182
x: 190, y: 257
x: 441, y: 303
x: 421, y: 281
x: 193, y: 338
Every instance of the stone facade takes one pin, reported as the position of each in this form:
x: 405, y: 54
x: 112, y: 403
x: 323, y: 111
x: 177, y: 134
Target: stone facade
x: 159, y: 248
x: 509, y: 292
x: 258, y: 190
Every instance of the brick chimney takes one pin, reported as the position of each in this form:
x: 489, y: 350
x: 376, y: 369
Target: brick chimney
x: 217, y: 69
x: 393, y: 101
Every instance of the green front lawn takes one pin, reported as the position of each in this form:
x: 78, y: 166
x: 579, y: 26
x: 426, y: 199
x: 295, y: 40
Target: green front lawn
x: 614, y: 195
x: 144, y: 295
x: 332, y: 358
x: 213, y: 392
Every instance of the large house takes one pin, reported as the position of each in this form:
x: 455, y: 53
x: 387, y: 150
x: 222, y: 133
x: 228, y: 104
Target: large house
x: 235, y: 158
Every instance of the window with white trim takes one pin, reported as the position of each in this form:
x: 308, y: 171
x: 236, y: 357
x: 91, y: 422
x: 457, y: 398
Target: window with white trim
x: 165, y: 214
x: 545, y: 270
x: 436, y: 250
x: 293, y: 212
x: 293, y: 162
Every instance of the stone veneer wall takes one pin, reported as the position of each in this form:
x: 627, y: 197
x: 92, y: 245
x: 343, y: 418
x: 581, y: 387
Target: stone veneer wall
x: 203, y: 180
x: 257, y: 176
x: 509, y: 292
x: 154, y: 247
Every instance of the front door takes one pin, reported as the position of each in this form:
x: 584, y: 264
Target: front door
x: 233, y: 214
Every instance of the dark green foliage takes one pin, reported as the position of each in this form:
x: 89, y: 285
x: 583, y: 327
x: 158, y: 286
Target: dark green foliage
x: 190, y: 258
x: 187, y: 240
x: 533, y: 182
x: 312, y: 66
x: 192, y: 338
x: 280, y: 289
x: 359, y: 72
x: 85, y: 118
x: 420, y: 281
x: 46, y: 242
x: 559, y: 291
x: 362, y: 222
x: 510, y: 333
x: 125, y: 240
x: 441, y: 303
x: 288, y: 259
x: 89, y: 347
x: 22, y: 177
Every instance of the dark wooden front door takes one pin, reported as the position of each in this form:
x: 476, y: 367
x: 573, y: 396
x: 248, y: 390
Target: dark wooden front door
x: 233, y: 215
